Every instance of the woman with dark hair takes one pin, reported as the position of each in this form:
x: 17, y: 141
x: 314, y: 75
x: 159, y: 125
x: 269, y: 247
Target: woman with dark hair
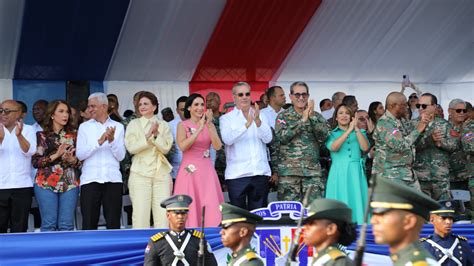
x: 57, y: 179
x: 329, y: 225
x: 376, y: 111
x: 197, y: 176
x: 149, y: 140
x: 347, y: 181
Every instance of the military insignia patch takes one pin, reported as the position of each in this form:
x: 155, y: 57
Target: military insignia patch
x: 147, y: 249
x: 281, y: 121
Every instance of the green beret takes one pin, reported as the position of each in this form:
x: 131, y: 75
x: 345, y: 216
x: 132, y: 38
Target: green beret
x: 390, y: 195
x: 232, y: 214
x: 177, y: 203
x: 330, y: 209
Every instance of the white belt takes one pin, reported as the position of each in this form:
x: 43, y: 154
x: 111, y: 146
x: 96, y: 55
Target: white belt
x: 448, y: 253
x: 178, y: 253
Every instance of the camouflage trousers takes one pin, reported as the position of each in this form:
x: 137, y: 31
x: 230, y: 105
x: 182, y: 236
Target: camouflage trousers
x: 436, y: 189
x: 293, y: 188
x: 471, y: 189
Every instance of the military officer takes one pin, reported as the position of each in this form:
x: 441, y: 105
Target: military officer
x: 398, y: 215
x: 395, y: 140
x: 433, y: 150
x: 299, y: 134
x: 178, y: 246
x: 447, y: 248
x: 238, y: 226
x: 328, y: 224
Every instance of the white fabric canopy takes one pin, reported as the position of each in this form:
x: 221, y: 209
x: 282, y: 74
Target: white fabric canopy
x: 163, y: 40
x: 366, y: 40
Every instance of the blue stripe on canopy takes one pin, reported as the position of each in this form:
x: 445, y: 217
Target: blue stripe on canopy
x: 69, y: 40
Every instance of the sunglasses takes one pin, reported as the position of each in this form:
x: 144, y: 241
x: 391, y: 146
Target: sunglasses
x: 299, y: 95
x: 7, y: 111
x: 423, y: 106
x: 413, y: 97
x: 461, y: 111
x: 241, y: 94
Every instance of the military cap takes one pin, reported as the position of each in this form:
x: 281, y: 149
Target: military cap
x: 446, y: 209
x: 328, y: 209
x: 177, y: 203
x: 232, y: 214
x: 389, y: 195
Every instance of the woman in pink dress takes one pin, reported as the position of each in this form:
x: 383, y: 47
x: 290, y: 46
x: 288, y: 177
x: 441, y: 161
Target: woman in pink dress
x: 197, y: 176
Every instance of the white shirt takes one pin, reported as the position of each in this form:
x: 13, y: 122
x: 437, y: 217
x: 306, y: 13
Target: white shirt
x: 245, y: 148
x: 15, y: 165
x: 178, y: 154
x: 37, y: 127
x: 101, y: 162
x: 328, y: 113
x: 269, y: 115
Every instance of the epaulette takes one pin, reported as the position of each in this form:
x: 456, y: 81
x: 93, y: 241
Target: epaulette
x: 157, y: 236
x: 462, y: 238
x: 198, y: 234
x: 420, y: 263
x: 251, y: 255
x: 336, y: 253
x: 425, y: 238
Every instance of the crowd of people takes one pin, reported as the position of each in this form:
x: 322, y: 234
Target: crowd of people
x: 92, y: 154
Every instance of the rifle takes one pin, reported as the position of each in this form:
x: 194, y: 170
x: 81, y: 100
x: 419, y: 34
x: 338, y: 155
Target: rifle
x: 202, y: 244
x: 295, y: 243
x: 363, y: 229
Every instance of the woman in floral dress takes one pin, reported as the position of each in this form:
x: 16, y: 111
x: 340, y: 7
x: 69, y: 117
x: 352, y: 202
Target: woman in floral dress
x: 57, y: 179
x: 197, y: 176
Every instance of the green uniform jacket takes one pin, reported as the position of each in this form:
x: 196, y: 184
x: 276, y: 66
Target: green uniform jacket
x: 431, y: 161
x: 298, y: 143
x: 245, y: 257
x: 458, y: 158
x: 394, y: 148
x: 332, y: 256
x: 414, y: 254
x: 467, y: 142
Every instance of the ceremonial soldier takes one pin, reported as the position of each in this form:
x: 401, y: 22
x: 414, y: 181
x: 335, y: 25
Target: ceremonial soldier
x: 178, y: 246
x: 395, y: 140
x: 432, y: 151
x: 399, y: 213
x: 299, y: 133
x: 447, y: 248
x: 328, y: 224
x: 238, y: 227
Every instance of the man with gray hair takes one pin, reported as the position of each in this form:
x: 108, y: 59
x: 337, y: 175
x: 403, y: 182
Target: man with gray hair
x: 100, y: 144
x: 458, y: 174
x: 245, y: 137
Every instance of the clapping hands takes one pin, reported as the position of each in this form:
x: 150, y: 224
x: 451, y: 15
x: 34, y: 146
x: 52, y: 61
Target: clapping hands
x: 108, y: 135
x: 308, y: 111
x: 253, y: 115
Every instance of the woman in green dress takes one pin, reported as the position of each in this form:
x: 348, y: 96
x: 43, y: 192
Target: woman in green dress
x: 347, y: 181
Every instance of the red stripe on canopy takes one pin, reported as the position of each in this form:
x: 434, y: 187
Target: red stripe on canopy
x: 251, y: 40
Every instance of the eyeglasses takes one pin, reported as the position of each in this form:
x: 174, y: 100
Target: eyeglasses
x: 461, y: 111
x: 299, y: 95
x: 7, y: 111
x: 241, y: 94
x: 423, y: 106
x: 413, y: 97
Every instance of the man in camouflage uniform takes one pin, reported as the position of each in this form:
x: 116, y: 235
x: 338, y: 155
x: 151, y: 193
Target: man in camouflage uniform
x: 299, y: 132
x: 395, y: 141
x: 432, y: 151
x: 458, y: 175
x: 213, y: 102
x: 467, y: 143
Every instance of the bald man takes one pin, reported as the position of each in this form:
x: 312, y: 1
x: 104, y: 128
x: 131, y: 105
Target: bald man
x: 17, y: 145
x: 395, y: 139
